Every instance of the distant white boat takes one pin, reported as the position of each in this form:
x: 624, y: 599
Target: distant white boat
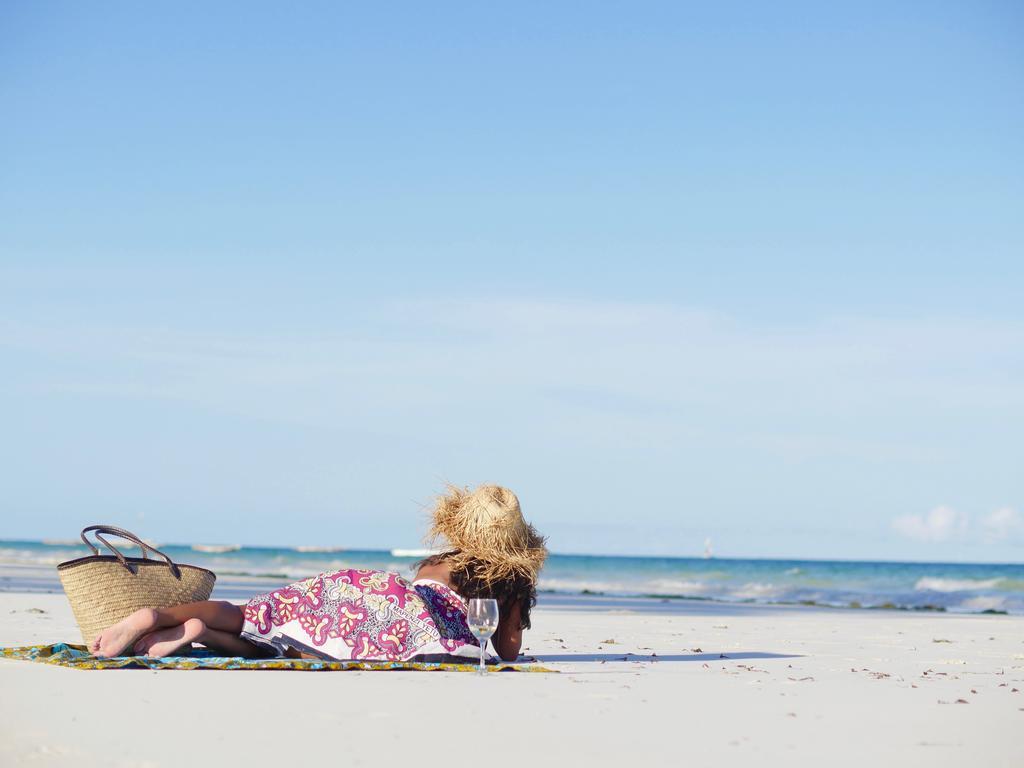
x: 414, y: 552
x: 76, y: 542
x: 216, y: 549
x: 315, y: 548
x: 708, y: 554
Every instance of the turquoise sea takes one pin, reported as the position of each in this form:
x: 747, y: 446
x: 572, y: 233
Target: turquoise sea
x: 952, y: 587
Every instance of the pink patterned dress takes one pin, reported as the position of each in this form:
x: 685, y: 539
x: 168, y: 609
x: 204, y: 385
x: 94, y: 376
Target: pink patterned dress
x: 362, y: 614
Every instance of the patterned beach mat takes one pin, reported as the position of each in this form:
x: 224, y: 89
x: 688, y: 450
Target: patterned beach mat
x: 77, y: 657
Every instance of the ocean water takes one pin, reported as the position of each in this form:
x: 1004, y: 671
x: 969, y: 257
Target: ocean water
x: 952, y: 587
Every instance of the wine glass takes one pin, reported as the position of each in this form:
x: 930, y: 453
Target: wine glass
x: 482, y: 618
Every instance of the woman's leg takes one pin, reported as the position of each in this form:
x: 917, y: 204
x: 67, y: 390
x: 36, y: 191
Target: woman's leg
x: 214, y: 614
x: 230, y: 644
x: 169, y: 641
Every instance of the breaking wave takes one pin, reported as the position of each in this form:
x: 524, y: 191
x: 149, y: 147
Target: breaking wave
x: 932, y: 584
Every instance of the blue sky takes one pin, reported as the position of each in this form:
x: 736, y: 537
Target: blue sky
x: 742, y: 270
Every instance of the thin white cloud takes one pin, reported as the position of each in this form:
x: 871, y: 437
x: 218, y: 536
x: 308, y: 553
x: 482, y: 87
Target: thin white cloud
x: 943, y: 524
x: 1004, y: 523
x: 939, y: 524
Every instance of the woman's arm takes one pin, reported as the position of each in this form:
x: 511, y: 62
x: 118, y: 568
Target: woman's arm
x: 509, y: 637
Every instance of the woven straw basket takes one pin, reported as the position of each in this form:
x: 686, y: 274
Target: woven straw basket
x: 103, y: 589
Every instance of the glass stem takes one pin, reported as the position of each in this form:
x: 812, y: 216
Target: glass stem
x: 483, y: 645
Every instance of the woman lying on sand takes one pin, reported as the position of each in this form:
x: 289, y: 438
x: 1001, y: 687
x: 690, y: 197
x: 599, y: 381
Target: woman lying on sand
x: 361, y: 614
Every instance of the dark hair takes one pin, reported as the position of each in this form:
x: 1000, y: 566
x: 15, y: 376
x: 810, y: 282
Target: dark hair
x: 508, y: 592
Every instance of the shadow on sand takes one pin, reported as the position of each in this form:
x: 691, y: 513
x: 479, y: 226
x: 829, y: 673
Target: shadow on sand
x: 705, y: 657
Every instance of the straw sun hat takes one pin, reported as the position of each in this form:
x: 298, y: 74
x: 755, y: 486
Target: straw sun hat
x: 487, y: 529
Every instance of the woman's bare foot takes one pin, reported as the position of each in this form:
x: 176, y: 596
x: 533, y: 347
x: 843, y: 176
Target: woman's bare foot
x: 113, y: 640
x: 167, y: 642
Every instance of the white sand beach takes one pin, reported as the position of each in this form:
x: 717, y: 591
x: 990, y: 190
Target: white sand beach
x: 703, y: 683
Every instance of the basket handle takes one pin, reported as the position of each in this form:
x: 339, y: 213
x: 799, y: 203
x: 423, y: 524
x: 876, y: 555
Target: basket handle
x: 116, y: 532
x: 99, y: 530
